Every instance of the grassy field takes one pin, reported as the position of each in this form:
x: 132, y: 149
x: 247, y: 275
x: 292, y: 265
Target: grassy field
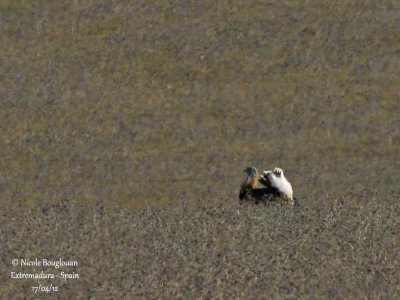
x: 343, y: 248
x: 164, y: 103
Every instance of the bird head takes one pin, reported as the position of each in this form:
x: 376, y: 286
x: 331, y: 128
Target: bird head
x: 251, y: 171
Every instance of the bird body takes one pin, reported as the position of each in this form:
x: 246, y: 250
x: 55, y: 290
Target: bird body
x: 276, y: 179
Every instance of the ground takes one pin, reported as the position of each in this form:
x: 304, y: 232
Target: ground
x: 153, y: 109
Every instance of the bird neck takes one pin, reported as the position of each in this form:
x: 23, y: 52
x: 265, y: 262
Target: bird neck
x: 254, y: 182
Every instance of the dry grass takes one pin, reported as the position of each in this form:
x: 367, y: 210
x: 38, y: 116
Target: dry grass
x: 137, y: 102
x: 342, y: 248
x: 100, y: 99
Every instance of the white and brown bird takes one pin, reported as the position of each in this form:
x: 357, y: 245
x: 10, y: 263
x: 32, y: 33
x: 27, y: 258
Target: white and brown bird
x: 276, y: 180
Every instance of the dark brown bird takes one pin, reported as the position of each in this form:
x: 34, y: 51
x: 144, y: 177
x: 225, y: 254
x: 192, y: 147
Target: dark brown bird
x: 250, y: 191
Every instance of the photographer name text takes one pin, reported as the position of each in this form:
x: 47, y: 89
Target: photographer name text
x: 43, y: 262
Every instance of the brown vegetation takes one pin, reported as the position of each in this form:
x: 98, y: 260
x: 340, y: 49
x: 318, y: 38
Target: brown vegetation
x: 138, y: 103
x: 344, y: 247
